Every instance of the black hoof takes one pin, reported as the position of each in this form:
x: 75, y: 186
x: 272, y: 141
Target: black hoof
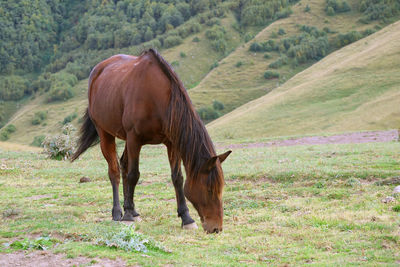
x: 116, y: 214
x: 131, y: 216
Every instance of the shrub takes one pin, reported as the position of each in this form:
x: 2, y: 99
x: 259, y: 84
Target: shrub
x: 256, y: 47
x: 307, y: 8
x: 10, y: 128
x: 182, y: 54
x: 214, y: 65
x: 219, y: 45
x: 61, y: 86
x: 70, y: 118
x: 39, y: 117
x: 281, y: 31
x: 216, y: 32
x: 218, y: 105
x: 273, y: 35
x: 61, y: 146
x: 271, y: 75
x: 283, y: 60
x: 13, y: 87
x: 38, y: 141
x: 330, y: 11
x: 171, y: 41
x: 5, y: 132
x: 334, y: 6
x: 347, y: 38
x: 266, y: 55
x: 238, y: 64
x: 208, y: 113
x: 248, y: 37
x: 196, y: 39
x: 175, y: 63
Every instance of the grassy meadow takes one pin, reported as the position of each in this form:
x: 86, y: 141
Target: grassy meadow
x: 297, y: 205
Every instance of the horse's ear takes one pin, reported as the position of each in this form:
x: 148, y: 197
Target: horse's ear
x: 223, y: 157
x: 209, y: 164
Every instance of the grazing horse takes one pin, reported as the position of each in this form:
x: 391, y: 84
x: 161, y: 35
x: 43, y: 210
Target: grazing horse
x: 142, y: 101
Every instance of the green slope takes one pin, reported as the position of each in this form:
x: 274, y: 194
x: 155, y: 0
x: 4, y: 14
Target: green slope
x: 235, y: 86
x: 355, y: 88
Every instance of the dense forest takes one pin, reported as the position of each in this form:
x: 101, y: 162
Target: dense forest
x: 48, y: 46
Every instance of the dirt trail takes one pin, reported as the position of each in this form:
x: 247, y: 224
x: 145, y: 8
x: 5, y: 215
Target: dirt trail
x: 48, y: 259
x: 347, y: 138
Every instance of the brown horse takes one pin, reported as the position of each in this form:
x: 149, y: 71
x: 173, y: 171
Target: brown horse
x: 142, y: 101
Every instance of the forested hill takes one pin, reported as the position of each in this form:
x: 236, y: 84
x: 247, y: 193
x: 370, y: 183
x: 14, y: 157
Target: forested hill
x: 40, y: 38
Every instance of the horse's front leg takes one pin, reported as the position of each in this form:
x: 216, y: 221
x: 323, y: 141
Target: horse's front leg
x: 177, y: 180
x: 130, y: 175
x: 108, y: 148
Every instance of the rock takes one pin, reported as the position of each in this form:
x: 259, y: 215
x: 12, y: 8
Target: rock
x: 388, y: 199
x: 397, y: 190
x: 85, y: 180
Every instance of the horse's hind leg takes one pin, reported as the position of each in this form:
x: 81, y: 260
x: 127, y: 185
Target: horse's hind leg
x: 130, y: 174
x: 177, y: 180
x: 108, y: 148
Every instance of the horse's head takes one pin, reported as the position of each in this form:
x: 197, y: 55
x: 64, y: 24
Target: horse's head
x: 205, y: 193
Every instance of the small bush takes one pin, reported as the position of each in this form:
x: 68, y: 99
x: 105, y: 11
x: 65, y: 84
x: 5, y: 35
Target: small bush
x: 175, y: 64
x: 61, y: 146
x: 196, y: 39
x: 5, y: 132
x: 330, y: 11
x: 281, y: 31
x: 271, y: 75
x: 248, y: 37
x: 307, y: 8
x: 70, y: 118
x: 182, y: 54
x: 396, y: 208
x: 283, y: 60
x: 238, y: 64
x: 171, y: 41
x: 266, y: 55
x: 208, y: 113
x: 4, y: 136
x: 10, y: 128
x: 38, y: 141
x: 214, y: 65
x: 273, y: 35
x: 39, y: 117
x: 218, y: 105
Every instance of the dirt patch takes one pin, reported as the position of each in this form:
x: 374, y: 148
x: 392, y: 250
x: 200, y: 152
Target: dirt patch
x: 45, y: 258
x: 347, y: 138
x: 37, y: 197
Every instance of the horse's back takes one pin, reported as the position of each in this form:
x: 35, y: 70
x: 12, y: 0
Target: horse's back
x: 128, y: 93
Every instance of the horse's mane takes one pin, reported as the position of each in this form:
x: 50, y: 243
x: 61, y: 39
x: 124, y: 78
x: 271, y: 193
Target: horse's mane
x: 186, y: 131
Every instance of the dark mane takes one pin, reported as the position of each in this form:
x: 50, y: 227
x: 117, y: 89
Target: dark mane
x: 185, y: 129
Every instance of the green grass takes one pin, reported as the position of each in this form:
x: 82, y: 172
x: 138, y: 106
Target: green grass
x: 355, y: 88
x: 282, y: 205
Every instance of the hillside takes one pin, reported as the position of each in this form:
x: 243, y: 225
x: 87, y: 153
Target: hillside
x: 222, y: 51
x: 239, y: 77
x: 355, y: 88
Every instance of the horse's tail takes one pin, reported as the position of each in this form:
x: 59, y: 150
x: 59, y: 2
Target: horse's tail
x: 88, y: 138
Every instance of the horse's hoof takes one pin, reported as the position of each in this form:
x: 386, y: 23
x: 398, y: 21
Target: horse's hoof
x: 116, y: 215
x: 130, y: 217
x: 190, y: 226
